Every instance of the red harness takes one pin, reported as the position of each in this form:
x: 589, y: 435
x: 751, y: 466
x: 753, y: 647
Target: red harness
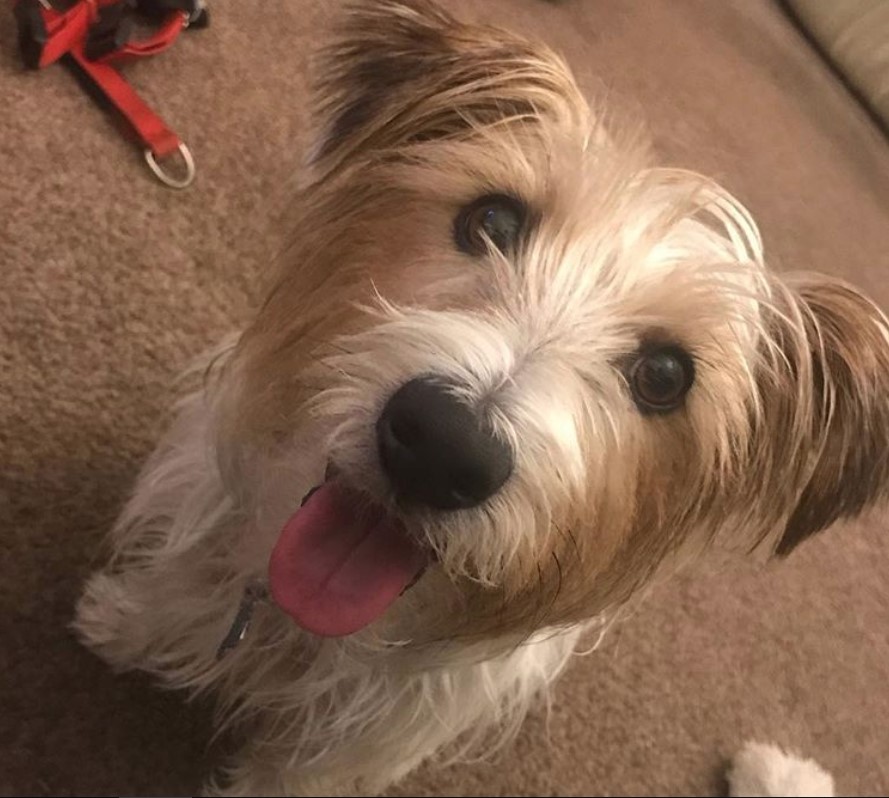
x: 95, y: 35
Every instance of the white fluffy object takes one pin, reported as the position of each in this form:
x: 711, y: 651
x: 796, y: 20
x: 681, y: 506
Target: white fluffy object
x: 759, y: 770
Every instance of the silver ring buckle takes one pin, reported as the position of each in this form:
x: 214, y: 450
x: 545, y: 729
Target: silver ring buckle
x: 170, y: 180
x: 199, y: 6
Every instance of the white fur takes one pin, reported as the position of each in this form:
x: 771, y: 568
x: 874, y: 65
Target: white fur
x: 761, y: 771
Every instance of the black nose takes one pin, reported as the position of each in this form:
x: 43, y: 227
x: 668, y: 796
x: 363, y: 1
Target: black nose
x: 437, y: 450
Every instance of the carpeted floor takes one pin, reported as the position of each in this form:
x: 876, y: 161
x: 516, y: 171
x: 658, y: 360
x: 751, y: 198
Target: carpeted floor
x: 111, y: 283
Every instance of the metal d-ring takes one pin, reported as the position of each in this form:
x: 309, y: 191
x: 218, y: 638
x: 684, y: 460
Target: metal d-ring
x: 166, y: 179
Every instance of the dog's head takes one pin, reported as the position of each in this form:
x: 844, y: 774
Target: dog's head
x: 532, y: 365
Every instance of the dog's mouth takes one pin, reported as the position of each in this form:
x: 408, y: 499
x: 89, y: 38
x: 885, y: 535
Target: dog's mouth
x: 341, y: 560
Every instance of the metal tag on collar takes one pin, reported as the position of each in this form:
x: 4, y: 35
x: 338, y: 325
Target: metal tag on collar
x: 253, y: 593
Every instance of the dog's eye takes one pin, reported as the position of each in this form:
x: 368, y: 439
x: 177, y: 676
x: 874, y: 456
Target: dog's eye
x: 495, y: 218
x: 660, y: 378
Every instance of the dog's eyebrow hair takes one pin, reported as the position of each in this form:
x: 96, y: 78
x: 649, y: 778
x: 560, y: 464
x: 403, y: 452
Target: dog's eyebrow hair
x: 570, y: 535
x: 559, y: 585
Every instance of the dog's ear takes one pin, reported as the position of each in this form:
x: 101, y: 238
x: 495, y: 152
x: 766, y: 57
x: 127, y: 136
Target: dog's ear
x: 830, y: 434
x: 404, y: 71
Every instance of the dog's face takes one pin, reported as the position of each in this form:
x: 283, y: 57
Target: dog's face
x: 537, y: 368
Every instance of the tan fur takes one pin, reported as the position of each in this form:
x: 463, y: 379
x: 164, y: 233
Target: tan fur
x: 840, y: 423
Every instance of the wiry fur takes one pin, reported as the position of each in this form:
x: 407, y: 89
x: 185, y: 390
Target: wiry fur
x: 785, y: 429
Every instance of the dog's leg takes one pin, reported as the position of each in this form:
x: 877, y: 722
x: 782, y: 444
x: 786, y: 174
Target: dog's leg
x: 360, y: 734
x: 163, y: 602
x: 354, y: 739
x: 359, y: 768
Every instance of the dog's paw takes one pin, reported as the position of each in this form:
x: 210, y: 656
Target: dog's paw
x: 103, y: 613
x: 759, y: 771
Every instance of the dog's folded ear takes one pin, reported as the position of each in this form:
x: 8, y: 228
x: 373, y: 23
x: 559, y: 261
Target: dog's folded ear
x: 829, y: 413
x: 405, y: 71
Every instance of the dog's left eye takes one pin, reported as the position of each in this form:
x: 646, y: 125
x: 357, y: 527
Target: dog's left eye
x: 660, y: 378
x: 495, y: 218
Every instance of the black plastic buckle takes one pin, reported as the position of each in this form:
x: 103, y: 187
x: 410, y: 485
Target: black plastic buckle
x: 195, y: 10
x: 111, y: 30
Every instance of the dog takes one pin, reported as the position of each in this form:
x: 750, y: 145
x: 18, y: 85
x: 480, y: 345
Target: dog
x: 508, y: 373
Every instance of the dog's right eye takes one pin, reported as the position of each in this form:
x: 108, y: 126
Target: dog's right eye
x: 660, y: 377
x: 493, y: 220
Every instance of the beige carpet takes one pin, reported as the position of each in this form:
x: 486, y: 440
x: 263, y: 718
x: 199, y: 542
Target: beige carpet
x: 111, y: 283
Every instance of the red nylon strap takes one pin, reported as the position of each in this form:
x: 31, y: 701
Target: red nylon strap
x: 64, y: 31
x: 149, y: 127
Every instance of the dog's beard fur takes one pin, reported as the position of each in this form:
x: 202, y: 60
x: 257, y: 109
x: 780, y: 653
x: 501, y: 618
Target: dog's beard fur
x: 784, y: 430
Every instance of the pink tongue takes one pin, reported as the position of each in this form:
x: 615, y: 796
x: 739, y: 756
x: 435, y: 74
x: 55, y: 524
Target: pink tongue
x: 340, y: 562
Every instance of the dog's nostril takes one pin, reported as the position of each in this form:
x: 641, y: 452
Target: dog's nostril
x: 406, y: 431
x: 437, y: 450
x: 464, y: 484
